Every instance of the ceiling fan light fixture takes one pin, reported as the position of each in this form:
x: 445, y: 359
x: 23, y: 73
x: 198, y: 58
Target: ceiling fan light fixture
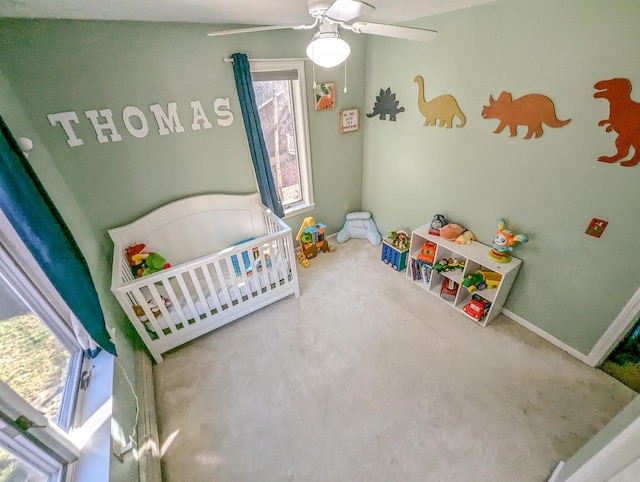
x: 328, y: 50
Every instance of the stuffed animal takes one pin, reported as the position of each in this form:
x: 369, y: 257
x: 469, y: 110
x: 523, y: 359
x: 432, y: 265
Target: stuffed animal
x: 359, y: 225
x: 451, y: 231
x: 154, y: 263
x: 143, y: 262
x: 135, y: 254
x: 465, y: 238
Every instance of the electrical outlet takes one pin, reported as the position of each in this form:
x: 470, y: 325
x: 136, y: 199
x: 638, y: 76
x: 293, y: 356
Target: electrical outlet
x: 346, y: 206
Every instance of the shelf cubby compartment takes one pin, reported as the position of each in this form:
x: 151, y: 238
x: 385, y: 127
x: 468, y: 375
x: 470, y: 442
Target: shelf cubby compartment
x: 475, y: 257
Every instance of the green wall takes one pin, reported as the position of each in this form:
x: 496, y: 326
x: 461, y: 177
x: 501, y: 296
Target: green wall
x: 53, y: 66
x: 123, y: 414
x: 81, y: 66
x: 571, y: 285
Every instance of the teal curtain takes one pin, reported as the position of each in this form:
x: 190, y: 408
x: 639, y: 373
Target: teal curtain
x: 27, y: 205
x: 257, y: 146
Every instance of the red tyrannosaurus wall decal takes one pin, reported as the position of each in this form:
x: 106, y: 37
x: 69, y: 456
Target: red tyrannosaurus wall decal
x: 624, y: 119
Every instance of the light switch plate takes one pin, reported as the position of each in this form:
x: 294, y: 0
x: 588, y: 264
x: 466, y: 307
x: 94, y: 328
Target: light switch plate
x: 596, y: 227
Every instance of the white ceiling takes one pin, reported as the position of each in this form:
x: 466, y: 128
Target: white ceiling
x: 250, y: 12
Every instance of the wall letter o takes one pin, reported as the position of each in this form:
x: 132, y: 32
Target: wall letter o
x: 133, y: 111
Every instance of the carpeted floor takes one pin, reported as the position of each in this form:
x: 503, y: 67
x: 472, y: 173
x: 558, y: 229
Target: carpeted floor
x: 367, y: 377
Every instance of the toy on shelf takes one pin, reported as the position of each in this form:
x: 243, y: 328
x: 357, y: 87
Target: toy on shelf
x: 420, y: 270
x: 448, y: 264
x: 451, y: 231
x: 486, y: 303
x: 425, y: 272
x: 475, y: 310
x: 400, y: 238
x: 504, y: 241
x: 466, y: 237
x: 449, y: 289
x: 428, y: 252
x: 359, y: 225
x: 436, y: 224
x: 311, y: 239
x: 481, y: 280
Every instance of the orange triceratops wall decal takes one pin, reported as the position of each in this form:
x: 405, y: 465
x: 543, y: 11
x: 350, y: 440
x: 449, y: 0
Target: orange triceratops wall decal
x: 624, y: 119
x: 530, y: 110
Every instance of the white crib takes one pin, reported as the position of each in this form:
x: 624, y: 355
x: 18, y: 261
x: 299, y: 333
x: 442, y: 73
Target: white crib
x: 230, y: 256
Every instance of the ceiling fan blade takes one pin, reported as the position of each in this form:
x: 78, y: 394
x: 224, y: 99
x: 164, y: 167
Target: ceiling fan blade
x: 345, y: 10
x: 263, y: 28
x: 396, y: 31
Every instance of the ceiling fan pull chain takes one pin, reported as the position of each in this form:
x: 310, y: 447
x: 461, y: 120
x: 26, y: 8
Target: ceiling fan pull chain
x: 314, y: 75
x: 345, y: 76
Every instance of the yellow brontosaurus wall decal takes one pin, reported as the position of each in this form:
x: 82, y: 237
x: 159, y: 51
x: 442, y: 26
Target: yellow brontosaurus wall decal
x: 443, y: 107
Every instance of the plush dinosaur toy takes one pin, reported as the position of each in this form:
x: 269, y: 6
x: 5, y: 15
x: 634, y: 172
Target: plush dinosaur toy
x: 154, y: 263
x: 143, y: 262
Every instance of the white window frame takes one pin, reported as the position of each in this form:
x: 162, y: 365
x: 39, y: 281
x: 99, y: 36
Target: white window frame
x: 300, y: 114
x: 45, y: 445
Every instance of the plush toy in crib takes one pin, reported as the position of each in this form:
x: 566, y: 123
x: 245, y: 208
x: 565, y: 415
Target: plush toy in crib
x: 143, y: 262
x: 154, y: 263
x: 359, y: 225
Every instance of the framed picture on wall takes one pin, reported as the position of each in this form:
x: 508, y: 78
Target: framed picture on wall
x: 324, y: 96
x: 349, y: 120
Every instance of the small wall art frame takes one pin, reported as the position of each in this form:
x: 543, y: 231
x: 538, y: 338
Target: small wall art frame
x: 349, y: 120
x: 324, y: 96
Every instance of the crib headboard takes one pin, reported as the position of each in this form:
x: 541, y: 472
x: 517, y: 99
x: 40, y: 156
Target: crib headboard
x: 192, y: 227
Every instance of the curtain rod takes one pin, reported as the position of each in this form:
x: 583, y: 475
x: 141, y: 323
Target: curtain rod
x: 229, y: 60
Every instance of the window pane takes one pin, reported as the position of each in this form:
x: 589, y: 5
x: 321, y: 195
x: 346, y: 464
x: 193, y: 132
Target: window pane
x: 32, y: 361
x: 275, y: 105
x: 13, y: 469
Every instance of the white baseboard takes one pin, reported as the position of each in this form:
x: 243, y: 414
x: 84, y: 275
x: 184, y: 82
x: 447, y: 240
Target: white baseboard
x: 550, y: 338
x: 556, y: 472
x: 616, y: 331
x: 148, y: 440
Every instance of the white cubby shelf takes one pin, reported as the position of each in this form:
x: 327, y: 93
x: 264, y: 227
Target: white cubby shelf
x: 474, y: 256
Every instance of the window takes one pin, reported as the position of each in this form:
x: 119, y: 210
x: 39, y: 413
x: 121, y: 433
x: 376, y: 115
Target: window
x: 40, y: 367
x: 279, y: 87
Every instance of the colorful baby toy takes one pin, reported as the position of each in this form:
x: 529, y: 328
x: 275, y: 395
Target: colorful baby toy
x: 311, y: 239
x: 400, y: 238
x: 436, y: 223
x: 145, y: 262
x: 504, y: 241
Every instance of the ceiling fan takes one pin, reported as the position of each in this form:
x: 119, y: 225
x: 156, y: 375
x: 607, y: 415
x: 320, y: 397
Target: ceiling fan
x: 327, y: 49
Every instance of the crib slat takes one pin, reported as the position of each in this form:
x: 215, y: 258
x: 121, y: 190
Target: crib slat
x: 243, y: 272
x: 212, y: 288
x: 177, y: 304
x: 233, y: 279
x: 201, y: 297
x: 188, y: 298
x: 137, y: 293
x: 264, y: 271
x: 163, y: 308
x: 223, y: 284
